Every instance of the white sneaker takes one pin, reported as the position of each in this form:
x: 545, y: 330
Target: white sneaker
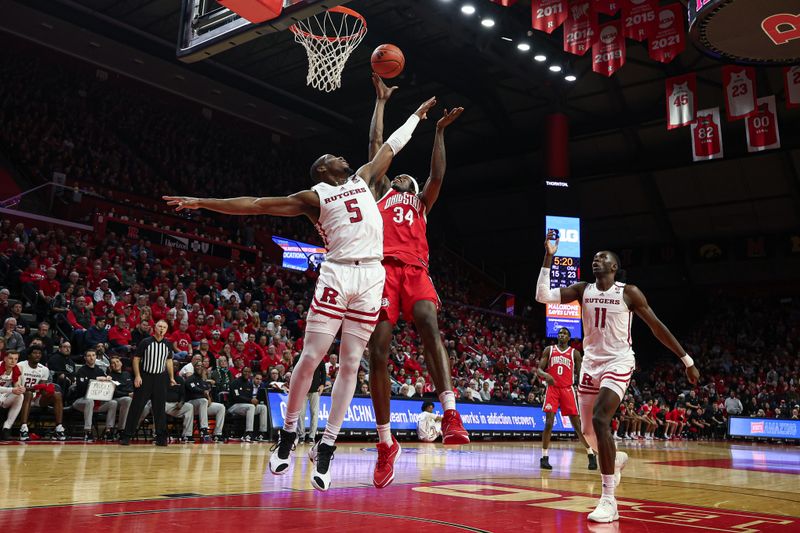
x: 321, y: 455
x: 605, y: 512
x: 648, y: 437
x: 620, y: 461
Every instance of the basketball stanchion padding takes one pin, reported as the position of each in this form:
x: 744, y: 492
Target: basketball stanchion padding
x: 329, y: 39
x: 255, y: 10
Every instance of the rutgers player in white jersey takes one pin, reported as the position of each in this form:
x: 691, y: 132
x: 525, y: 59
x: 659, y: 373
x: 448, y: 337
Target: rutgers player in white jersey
x: 608, y: 361
x: 349, y: 287
x: 408, y: 288
x: 39, y: 392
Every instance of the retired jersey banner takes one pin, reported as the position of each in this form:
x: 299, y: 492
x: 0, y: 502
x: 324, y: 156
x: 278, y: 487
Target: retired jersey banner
x: 607, y: 7
x: 792, y: 78
x: 707, y: 135
x: 762, y: 126
x: 549, y: 14
x: 681, y: 97
x: 580, y: 29
x: 639, y: 17
x: 608, y: 53
x: 669, y: 36
x: 739, y: 84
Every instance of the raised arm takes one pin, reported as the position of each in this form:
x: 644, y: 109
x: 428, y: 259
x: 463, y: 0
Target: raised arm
x: 541, y: 371
x: 638, y: 304
x: 379, y: 164
x: 301, y: 203
x: 546, y: 295
x: 382, y: 95
x: 430, y: 193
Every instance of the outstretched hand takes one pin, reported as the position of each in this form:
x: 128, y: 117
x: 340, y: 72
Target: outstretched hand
x: 381, y: 90
x: 692, y: 374
x: 426, y: 106
x: 550, y: 245
x: 449, y: 117
x: 182, y: 202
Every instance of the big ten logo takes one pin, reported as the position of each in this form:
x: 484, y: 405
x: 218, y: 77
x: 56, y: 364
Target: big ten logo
x: 569, y: 235
x: 782, y: 28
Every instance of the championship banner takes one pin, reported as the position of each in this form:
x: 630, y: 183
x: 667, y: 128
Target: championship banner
x: 549, y: 14
x: 608, y: 52
x: 681, y: 97
x: 607, y: 7
x: 739, y: 84
x: 762, y: 126
x: 792, y: 79
x: 580, y: 29
x: 504, y: 3
x: 707, y: 136
x: 669, y: 37
x: 640, y: 18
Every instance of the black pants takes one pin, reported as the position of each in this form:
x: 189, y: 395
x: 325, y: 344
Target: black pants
x: 154, y: 388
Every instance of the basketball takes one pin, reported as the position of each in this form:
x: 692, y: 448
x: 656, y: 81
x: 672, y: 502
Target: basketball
x: 388, y: 61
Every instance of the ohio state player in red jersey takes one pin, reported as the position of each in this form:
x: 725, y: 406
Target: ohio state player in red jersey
x: 408, y: 288
x: 557, y: 368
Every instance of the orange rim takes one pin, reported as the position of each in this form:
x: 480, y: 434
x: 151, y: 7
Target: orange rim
x: 338, y: 9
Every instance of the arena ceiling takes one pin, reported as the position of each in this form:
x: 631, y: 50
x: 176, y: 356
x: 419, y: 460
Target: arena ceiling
x: 633, y: 181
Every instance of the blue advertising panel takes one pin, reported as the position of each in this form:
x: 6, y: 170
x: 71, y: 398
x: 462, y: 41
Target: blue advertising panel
x: 565, y: 271
x: 297, y: 255
x: 405, y: 413
x: 764, y: 427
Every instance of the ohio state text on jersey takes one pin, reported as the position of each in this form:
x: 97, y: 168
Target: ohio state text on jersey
x: 404, y: 227
x: 561, y: 365
x: 349, y: 222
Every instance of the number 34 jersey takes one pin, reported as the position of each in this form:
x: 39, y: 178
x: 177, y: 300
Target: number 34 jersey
x: 606, y: 326
x: 349, y: 222
x: 404, y: 225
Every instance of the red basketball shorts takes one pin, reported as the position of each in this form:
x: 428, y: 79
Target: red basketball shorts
x: 405, y: 285
x: 561, y: 398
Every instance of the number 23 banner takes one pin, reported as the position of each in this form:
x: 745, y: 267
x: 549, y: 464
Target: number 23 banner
x: 739, y: 84
x: 762, y: 126
x: 707, y: 136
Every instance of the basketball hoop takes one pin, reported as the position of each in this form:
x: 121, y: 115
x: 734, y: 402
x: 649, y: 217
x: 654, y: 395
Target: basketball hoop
x: 329, y: 39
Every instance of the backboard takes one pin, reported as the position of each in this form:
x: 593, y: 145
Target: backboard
x: 208, y: 28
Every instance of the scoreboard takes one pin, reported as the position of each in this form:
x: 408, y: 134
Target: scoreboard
x: 565, y: 271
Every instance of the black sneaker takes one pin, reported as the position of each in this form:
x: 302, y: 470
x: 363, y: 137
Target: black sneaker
x: 309, y: 440
x: 260, y: 437
x: 592, y: 461
x: 544, y: 463
x: 321, y: 455
x: 87, y: 437
x: 108, y: 436
x: 219, y: 438
x: 161, y: 441
x: 279, y: 461
x: 6, y: 434
x: 23, y: 434
x: 60, y: 435
x: 204, y: 435
x: 124, y: 440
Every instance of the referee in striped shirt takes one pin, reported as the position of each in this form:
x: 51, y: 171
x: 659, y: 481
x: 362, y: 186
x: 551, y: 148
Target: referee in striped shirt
x: 153, y: 372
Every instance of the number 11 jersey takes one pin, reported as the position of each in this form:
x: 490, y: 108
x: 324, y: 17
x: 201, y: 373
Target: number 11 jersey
x: 606, y: 325
x: 404, y: 225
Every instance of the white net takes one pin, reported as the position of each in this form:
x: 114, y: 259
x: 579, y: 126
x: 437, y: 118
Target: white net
x: 329, y: 39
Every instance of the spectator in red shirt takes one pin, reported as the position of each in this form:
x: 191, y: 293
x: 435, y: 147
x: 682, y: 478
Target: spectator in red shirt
x: 181, y: 342
x: 101, y: 308
x: 198, y: 331
x: 215, y: 344
x: 159, y: 309
x: 119, y: 336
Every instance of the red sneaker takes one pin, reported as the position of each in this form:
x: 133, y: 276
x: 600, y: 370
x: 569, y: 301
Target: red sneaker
x: 383, y: 474
x: 453, y: 431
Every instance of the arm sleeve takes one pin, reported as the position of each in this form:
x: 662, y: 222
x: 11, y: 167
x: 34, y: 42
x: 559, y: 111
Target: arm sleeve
x: 544, y: 294
x: 402, y: 135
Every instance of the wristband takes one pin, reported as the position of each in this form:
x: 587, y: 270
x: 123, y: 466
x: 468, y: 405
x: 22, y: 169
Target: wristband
x: 687, y: 360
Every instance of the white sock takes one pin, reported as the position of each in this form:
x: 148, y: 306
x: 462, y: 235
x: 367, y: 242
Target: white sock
x: 544, y: 452
x: 608, y: 485
x: 331, y: 432
x: 23, y: 427
x: 589, y: 451
x: 448, y: 399
x: 385, y: 433
x: 290, y: 422
x: 59, y: 428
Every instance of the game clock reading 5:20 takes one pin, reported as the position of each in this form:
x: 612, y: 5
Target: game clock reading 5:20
x: 565, y: 270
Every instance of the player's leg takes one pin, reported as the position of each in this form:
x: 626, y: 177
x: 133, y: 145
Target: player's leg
x: 110, y: 409
x: 23, y: 415
x: 87, y: 408
x: 217, y: 410
x: 124, y: 403
x: 12, y: 402
x: 379, y: 380
x: 568, y: 403
x: 549, y: 420
x: 186, y: 414
x: 249, y: 420
x: 261, y: 412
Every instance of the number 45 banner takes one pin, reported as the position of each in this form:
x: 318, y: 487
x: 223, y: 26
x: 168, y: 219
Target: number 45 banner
x: 681, y: 98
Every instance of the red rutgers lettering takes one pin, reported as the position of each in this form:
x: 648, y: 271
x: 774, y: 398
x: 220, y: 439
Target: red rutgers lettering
x: 586, y: 380
x: 329, y: 296
x: 782, y: 28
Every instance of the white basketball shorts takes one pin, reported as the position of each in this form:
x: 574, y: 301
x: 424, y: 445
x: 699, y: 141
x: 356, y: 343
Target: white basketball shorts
x: 347, y: 296
x: 614, y: 374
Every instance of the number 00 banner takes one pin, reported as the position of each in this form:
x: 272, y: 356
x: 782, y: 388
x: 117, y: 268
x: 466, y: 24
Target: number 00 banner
x: 608, y: 53
x: 707, y: 136
x: 762, y: 126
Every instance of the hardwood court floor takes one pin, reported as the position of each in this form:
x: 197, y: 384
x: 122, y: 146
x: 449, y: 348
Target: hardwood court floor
x: 496, y: 487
